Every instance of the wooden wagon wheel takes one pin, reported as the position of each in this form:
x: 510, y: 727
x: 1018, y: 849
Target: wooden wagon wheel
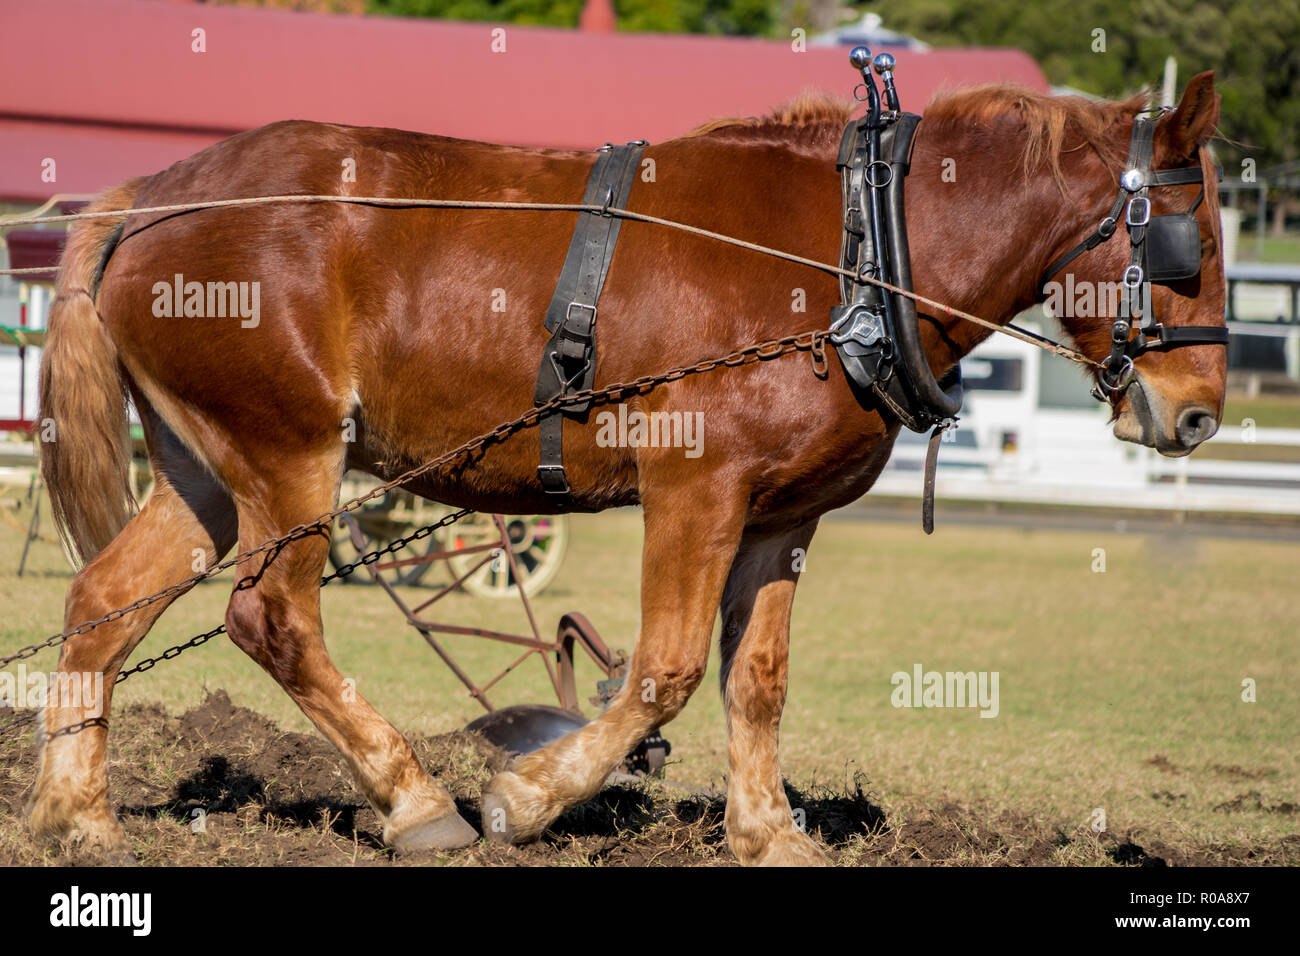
x: 538, y: 543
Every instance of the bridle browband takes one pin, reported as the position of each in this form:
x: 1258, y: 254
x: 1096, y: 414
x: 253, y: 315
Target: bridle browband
x: 1163, y: 249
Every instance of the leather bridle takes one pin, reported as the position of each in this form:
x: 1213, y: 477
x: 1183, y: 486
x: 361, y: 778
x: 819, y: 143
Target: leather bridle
x: 1117, y: 371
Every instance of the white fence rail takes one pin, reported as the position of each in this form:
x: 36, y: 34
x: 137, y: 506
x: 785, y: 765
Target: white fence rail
x: 1136, y: 478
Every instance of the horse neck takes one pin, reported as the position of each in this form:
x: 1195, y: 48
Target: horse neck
x: 981, y: 243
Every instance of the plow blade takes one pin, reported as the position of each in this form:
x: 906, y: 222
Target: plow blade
x: 523, y: 728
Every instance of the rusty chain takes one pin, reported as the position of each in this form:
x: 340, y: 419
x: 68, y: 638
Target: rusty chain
x: 813, y: 342
x: 339, y: 574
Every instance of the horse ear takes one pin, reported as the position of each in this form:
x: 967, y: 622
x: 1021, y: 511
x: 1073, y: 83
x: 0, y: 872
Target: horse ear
x: 1189, y: 127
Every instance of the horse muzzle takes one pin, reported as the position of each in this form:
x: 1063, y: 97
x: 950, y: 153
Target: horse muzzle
x: 1145, y: 418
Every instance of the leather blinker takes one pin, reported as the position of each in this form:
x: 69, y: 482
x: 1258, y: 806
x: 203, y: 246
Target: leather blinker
x: 1173, y: 248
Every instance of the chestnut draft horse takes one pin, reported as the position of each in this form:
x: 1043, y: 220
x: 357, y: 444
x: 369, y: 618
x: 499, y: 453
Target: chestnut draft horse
x: 392, y: 318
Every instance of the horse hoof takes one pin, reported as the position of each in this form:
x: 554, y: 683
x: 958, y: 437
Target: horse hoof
x: 95, y: 835
x: 447, y: 832
x: 514, y: 810
x: 98, y: 850
x: 792, y: 848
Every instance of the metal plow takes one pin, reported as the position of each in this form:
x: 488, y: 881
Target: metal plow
x: 491, y: 554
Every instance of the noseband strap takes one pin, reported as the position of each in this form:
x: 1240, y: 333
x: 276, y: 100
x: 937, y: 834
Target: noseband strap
x: 1117, y: 371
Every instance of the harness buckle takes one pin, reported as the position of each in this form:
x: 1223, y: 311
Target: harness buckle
x: 554, y: 480
x: 1131, y: 219
x: 1106, y: 228
x: 1134, y: 271
x: 585, y: 331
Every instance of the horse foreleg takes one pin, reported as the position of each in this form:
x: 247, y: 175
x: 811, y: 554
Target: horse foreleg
x: 274, y: 617
x: 755, y: 654
x: 690, y: 542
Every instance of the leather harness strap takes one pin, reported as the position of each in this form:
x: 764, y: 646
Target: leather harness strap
x: 927, y: 489
x: 569, y: 359
x: 1104, y: 231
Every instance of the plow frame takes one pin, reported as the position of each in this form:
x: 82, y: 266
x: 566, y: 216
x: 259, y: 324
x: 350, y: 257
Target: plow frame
x: 557, y: 655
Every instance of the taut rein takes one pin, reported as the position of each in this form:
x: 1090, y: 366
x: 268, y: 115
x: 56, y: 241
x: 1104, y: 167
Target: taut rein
x: 1014, y: 331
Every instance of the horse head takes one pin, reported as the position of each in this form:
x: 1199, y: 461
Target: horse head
x: 1165, y: 366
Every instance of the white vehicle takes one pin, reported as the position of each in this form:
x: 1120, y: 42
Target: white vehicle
x: 1030, y: 432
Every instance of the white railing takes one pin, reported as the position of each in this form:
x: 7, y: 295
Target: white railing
x: 1134, y: 477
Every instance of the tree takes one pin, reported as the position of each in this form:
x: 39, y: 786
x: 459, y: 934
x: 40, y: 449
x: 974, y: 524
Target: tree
x: 1253, y: 47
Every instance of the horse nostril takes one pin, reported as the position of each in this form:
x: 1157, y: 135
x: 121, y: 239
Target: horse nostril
x: 1195, y: 425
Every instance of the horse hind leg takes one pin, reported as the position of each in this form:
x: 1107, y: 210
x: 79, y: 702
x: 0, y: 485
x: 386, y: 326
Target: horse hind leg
x: 187, y: 514
x: 274, y: 617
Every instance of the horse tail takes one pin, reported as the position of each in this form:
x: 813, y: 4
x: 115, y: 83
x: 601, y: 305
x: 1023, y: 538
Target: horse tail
x: 84, y: 438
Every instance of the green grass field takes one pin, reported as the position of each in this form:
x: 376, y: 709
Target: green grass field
x: 1284, y: 248
x: 1269, y: 411
x: 1119, y: 690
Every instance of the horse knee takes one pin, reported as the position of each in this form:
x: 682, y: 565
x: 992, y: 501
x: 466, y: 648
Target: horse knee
x: 665, y: 686
x: 756, y: 688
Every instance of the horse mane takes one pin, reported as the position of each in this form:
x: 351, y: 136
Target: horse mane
x: 1052, y: 124
x: 816, y: 117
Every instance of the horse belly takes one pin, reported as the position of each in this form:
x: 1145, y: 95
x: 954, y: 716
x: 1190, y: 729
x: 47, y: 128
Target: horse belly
x: 436, y: 388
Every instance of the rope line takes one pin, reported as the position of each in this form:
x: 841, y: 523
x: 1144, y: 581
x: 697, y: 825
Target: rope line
x: 1013, y: 331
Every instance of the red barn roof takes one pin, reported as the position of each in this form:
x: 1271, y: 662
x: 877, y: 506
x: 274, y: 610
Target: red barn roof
x: 111, y: 88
